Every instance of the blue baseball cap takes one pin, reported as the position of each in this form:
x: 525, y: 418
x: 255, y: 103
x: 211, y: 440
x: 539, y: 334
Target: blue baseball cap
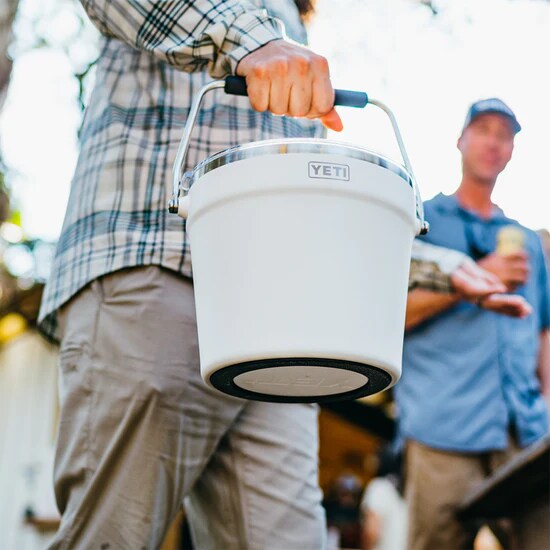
x: 491, y: 105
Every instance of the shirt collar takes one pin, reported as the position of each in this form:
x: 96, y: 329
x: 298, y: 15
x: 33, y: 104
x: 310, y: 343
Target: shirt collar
x: 449, y: 205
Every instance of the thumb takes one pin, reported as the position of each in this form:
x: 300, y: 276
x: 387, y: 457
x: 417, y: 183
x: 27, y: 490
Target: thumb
x: 332, y: 121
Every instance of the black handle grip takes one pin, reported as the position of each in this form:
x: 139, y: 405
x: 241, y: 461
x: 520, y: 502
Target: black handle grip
x: 349, y: 98
x: 236, y: 85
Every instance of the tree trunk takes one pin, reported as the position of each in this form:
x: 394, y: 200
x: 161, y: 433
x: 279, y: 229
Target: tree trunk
x: 8, y: 9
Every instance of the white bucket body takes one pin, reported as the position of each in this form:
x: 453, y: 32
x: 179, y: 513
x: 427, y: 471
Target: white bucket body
x: 300, y: 265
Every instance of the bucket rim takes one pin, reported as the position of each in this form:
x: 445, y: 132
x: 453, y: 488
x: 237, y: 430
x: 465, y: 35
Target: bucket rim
x: 285, y: 146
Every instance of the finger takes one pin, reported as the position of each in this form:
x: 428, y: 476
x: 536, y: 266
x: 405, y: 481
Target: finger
x: 322, y: 102
x: 473, y: 283
x: 516, y: 310
x: 507, y: 304
x: 518, y: 263
x: 496, y: 286
x: 299, y: 103
x: 511, y: 311
x: 519, y: 275
x: 522, y: 266
x: 332, y: 121
x: 490, y: 278
x: 519, y: 255
x: 492, y: 281
x: 301, y: 89
x: 477, y: 272
x: 258, y: 87
x: 279, y: 92
x: 503, y: 309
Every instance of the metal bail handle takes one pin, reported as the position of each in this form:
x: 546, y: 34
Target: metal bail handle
x: 236, y: 85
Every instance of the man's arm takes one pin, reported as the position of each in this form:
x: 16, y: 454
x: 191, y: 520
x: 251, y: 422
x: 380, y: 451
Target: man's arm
x: 437, y: 273
x: 191, y: 35
x: 440, y: 278
x: 424, y: 304
x: 226, y: 37
x: 443, y: 269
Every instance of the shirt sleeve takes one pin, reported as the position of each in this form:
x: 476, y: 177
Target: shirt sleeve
x: 427, y: 275
x: 447, y: 260
x: 191, y: 35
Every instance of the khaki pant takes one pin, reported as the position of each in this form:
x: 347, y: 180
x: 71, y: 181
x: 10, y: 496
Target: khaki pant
x: 436, y: 483
x: 139, y: 432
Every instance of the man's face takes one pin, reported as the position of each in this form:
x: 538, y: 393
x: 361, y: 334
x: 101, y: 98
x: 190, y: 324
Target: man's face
x: 486, y: 146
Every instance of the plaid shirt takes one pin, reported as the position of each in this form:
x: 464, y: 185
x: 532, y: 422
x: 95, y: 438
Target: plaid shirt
x: 117, y: 211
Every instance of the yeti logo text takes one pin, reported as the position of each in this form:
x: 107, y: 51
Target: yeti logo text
x: 326, y: 170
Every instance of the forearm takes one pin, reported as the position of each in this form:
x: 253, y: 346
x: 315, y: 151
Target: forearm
x: 191, y: 35
x: 425, y: 304
x: 544, y: 364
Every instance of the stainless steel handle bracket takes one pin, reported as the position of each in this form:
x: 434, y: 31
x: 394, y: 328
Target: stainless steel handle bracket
x: 178, y: 175
x: 424, y: 226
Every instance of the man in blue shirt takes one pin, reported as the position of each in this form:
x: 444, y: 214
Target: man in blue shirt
x: 470, y: 392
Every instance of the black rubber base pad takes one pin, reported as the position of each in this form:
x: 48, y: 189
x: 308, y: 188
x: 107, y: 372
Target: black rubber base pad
x: 222, y: 379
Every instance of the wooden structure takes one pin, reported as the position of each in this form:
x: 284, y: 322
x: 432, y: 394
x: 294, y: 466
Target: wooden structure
x: 519, y: 490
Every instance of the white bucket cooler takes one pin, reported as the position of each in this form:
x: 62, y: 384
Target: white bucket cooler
x: 301, y: 252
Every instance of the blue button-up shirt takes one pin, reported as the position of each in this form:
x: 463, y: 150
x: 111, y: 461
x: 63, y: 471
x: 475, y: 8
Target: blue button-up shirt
x: 470, y: 374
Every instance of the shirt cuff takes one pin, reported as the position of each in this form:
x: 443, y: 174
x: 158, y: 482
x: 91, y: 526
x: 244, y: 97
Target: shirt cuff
x: 248, y: 33
x: 427, y: 275
x: 447, y: 259
x: 452, y: 260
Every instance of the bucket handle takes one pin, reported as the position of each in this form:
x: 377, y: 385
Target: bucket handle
x: 236, y: 85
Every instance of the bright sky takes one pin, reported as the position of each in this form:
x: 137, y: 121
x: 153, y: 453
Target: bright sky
x: 427, y: 69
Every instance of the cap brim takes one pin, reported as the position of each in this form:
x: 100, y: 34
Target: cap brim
x: 515, y: 124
